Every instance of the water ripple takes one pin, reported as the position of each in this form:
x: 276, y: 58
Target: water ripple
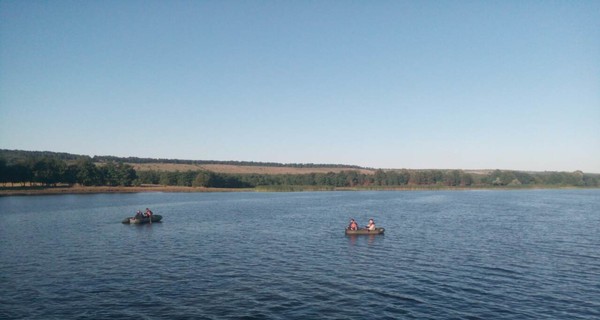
x: 460, y: 255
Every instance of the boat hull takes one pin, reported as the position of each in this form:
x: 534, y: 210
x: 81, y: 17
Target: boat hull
x: 365, y: 231
x: 133, y: 220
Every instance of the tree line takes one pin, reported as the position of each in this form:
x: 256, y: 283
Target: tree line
x: 235, y: 163
x: 21, y: 155
x: 381, y: 178
x: 48, y: 170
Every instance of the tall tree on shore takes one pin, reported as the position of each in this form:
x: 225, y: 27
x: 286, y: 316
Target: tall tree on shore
x: 118, y: 174
x: 48, y: 171
x: 3, y: 171
x: 87, y: 173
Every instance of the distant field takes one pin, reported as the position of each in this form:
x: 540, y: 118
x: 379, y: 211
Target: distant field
x: 165, y: 167
x: 235, y: 169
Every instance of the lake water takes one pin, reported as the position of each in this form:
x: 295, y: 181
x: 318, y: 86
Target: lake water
x: 459, y: 254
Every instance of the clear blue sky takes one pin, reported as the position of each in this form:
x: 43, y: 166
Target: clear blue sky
x: 386, y: 84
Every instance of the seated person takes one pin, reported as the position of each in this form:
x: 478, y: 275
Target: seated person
x: 148, y: 213
x: 353, y: 225
x: 371, y: 225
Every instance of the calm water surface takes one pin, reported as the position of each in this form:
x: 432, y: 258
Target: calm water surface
x: 460, y: 255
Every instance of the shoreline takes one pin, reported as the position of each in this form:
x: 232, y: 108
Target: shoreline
x: 33, y: 191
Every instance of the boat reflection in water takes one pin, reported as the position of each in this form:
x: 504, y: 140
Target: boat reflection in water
x: 363, y: 233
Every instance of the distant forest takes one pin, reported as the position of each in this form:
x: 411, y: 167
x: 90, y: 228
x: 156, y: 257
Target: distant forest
x: 24, y: 168
x: 13, y: 156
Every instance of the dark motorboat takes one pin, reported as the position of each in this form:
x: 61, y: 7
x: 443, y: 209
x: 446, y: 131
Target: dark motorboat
x: 365, y: 231
x: 142, y: 220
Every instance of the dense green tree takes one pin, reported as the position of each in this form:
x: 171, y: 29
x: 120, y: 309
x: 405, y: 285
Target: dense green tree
x: 201, y: 180
x: 352, y: 178
x: 148, y: 177
x: 20, y: 173
x: 452, y: 178
x: 118, y: 174
x: 523, y: 177
x: 381, y: 177
x: 70, y: 176
x: 466, y: 180
x: 168, y: 178
x: 500, y: 178
x: 435, y: 177
x: 186, y: 179
x: 591, y: 181
x: 418, y: 177
x: 327, y: 179
x: 87, y: 173
x: 403, y: 177
x: 3, y: 171
x: 48, y: 171
x: 110, y: 174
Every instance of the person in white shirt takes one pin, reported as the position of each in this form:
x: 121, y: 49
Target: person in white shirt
x: 371, y: 225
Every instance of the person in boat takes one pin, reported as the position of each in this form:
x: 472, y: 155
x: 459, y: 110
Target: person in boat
x: 148, y: 213
x: 371, y: 225
x: 353, y: 225
x: 139, y: 215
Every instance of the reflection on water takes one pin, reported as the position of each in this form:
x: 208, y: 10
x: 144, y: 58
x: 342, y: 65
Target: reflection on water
x: 369, y: 238
x: 480, y: 255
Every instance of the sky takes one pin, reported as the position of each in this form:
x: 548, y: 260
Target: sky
x: 511, y: 85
